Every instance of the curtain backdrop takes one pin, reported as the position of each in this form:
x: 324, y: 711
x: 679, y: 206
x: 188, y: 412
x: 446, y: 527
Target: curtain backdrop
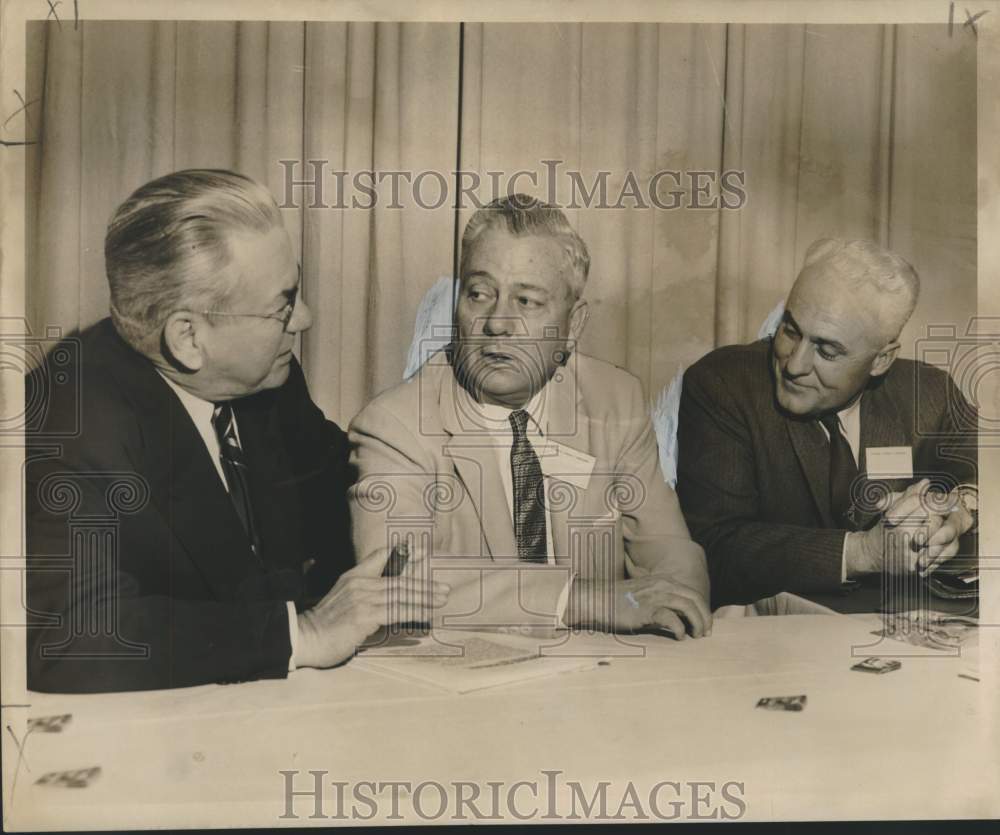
x: 858, y: 131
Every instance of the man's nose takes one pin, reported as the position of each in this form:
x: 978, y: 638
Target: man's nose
x: 498, y: 321
x: 801, y: 359
x: 302, y: 317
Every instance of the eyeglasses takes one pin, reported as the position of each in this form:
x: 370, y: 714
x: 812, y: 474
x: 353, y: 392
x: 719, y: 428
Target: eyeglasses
x: 284, y: 315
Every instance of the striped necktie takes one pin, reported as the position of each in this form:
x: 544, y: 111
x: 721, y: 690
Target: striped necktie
x: 529, y: 496
x: 235, y: 468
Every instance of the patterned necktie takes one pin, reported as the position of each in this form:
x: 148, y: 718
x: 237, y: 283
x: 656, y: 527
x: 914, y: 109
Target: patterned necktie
x: 843, y: 471
x: 529, y: 498
x: 235, y: 468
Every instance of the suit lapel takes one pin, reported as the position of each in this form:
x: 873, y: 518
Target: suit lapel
x: 881, y: 424
x: 568, y: 425
x: 184, y: 484
x: 813, y: 452
x: 474, y: 458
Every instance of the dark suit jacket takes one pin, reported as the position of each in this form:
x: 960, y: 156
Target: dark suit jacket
x: 140, y: 573
x: 753, y: 482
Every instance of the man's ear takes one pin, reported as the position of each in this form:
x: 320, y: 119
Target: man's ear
x: 884, y: 359
x: 578, y: 320
x: 182, y: 339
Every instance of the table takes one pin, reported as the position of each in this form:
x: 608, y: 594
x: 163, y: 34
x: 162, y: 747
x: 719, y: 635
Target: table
x: 917, y: 742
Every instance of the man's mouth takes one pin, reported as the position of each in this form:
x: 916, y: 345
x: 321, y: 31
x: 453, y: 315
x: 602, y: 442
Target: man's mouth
x: 491, y: 355
x: 789, y: 383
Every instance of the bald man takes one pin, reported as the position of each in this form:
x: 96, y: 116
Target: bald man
x: 816, y: 460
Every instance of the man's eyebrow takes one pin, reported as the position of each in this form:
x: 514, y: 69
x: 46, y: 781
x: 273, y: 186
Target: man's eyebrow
x: 292, y: 292
x: 816, y: 340
x: 525, y: 285
x: 478, y: 274
x: 832, y: 343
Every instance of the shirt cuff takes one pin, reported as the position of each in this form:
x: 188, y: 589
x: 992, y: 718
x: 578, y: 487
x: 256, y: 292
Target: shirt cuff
x: 843, y: 562
x: 293, y: 634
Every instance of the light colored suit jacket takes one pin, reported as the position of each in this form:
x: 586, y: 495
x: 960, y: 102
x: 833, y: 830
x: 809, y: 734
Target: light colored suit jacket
x: 427, y: 468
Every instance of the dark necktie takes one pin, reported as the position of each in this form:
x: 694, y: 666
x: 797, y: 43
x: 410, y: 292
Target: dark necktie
x: 843, y: 472
x: 529, y: 498
x: 235, y: 468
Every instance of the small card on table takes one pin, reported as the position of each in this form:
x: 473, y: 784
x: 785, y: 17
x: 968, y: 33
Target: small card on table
x: 877, y: 665
x: 782, y: 703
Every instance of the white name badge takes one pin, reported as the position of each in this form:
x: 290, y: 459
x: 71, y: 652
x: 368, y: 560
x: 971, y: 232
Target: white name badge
x: 889, y: 461
x: 566, y: 464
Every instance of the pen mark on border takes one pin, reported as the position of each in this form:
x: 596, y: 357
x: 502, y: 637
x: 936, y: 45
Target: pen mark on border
x: 20, y: 749
x: 22, y: 109
x: 27, y: 121
x: 52, y: 11
x: 970, y: 19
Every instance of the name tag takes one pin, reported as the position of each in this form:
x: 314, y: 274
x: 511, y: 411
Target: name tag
x: 889, y: 462
x: 566, y: 464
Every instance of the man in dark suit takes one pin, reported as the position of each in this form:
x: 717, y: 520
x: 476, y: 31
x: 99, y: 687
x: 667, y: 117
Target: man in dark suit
x: 186, y: 500
x: 817, y: 458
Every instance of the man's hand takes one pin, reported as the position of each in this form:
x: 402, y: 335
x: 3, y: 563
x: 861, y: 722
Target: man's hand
x: 944, y: 517
x: 652, y: 600
x: 359, y: 603
x: 942, y: 544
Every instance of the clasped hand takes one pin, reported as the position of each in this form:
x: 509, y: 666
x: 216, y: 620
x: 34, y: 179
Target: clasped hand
x: 938, y: 520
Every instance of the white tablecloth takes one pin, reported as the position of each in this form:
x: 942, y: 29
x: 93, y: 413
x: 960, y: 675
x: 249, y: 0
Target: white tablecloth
x: 918, y: 742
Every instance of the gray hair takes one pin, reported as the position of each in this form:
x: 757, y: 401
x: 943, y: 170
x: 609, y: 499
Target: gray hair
x: 167, y: 247
x: 521, y: 216
x: 865, y: 264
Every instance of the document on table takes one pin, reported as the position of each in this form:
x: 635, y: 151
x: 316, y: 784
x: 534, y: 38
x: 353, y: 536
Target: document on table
x: 462, y: 662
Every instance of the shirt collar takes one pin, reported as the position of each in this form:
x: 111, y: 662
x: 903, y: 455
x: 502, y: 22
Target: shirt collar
x: 498, y: 417
x: 201, y: 411
x: 849, y: 412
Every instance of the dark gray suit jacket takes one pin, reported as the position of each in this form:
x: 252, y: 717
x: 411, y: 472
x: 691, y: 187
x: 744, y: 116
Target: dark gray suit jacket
x: 140, y: 574
x: 753, y: 480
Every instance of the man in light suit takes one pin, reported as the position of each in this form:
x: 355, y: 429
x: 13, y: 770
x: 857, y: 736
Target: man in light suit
x: 186, y: 499
x: 804, y: 459
x: 511, y: 447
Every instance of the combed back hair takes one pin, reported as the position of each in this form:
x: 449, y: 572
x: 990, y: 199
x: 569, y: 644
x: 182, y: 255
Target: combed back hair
x: 521, y: 216
x: 168, y: 249
x: 865, y: 264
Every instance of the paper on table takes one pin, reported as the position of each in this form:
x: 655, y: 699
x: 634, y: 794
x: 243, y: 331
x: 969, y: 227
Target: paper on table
x: 462, y: 662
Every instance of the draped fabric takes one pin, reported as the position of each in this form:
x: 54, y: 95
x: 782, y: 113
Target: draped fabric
x: 857, y: 131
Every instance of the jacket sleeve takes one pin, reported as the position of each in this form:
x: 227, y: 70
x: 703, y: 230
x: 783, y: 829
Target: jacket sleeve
x: 326, y: 474
x: 395, y: 477
x: 950, y: 452
x: 656, y: 536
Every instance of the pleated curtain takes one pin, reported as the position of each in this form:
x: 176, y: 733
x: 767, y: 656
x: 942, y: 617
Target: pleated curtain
x: 858, y: 131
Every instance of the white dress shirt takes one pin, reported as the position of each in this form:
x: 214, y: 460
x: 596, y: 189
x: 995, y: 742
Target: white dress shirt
x: 201, y: 412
